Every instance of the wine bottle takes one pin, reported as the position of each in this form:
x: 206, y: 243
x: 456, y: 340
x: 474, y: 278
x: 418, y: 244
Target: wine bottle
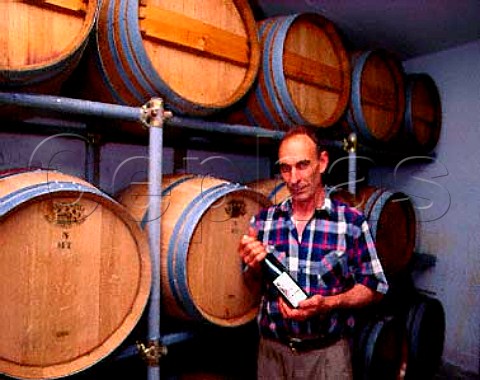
x: 278, y: 275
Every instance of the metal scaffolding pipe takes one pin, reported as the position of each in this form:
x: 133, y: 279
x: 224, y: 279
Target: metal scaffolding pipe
x: 154, y: 190
x: 155, y: 151
x: 175, y: 338
x: 79, y: 107
x: 351, y: 148
x: 92, y: 160
x: 72, y: 106
x: 236, y: 129
x: 167, y: 340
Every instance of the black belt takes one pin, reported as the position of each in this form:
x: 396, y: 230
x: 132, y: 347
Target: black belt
x: 307, y: 344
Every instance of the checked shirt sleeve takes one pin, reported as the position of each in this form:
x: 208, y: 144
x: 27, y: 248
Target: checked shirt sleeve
x: 367, y: 268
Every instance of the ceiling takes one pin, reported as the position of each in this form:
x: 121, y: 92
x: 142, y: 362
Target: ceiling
x: 407, y: 28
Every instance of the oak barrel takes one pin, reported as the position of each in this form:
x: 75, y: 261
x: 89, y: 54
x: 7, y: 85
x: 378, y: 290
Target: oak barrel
x: 273, y: 188
x: 392, y: 220
x: 379, y: 348
x: 423, y: 113
x: 42, y: 42
x: 425, y: 324
x: 202, y: 221
x: 199, y: 57
x: 304, y: 76
x: 377, y: 100
x: 75, y: 274
x: 390, y: 215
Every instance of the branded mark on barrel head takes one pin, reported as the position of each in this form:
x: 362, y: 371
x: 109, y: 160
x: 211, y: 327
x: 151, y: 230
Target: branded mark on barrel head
x: 65, y: 242
x: 236, y: 208
x: 64, y: 214
x: 235, y: 228
x: 62, y: 334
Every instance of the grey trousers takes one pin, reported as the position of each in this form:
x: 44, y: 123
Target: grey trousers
x: 277, y: 361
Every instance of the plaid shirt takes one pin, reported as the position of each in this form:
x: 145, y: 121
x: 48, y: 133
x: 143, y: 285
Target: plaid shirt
x: 336, y: 251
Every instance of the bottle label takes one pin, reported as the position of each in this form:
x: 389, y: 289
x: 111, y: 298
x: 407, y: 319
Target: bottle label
x: 289, y: 288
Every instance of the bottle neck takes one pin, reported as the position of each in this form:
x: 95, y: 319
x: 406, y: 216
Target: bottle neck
x: 272, y: 263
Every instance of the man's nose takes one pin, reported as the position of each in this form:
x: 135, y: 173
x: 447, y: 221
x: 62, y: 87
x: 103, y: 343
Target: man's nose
x: 294, y: 177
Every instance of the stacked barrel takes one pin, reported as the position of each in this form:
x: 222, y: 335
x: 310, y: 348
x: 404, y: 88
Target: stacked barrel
x: 203, y: 219
x: 304, y: 75
x: 75, y: 274
x: 43, y: 42
x: 217, y: 61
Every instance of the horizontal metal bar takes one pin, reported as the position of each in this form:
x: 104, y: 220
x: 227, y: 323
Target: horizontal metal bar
x: 178, y: 337
x: 127, y: 352
x: 238, y: 129
x: 71, y: 106
x: 166, y: 340
x: 126, y: 113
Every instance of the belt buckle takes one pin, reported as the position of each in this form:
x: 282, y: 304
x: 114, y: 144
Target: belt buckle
x: 293, y: 343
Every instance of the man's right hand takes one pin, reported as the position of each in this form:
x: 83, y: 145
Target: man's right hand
x: 251, y: 250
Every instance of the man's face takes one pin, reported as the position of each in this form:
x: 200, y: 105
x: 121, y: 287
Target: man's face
x: 301, y: 166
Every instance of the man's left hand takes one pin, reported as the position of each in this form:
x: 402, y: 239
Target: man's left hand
x: 306, y: 309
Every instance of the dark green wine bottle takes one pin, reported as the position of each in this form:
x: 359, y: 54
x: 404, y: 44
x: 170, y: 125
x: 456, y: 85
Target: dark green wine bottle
x: 281, y: 279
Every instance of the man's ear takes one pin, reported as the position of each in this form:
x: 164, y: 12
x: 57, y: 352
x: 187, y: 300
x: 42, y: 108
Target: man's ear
x: 323, y: 159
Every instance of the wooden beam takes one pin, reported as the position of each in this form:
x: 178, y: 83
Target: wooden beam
x: 175, y: 29
x: 309, y: 71
x: 70, y: 6
x: 381, y: 98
